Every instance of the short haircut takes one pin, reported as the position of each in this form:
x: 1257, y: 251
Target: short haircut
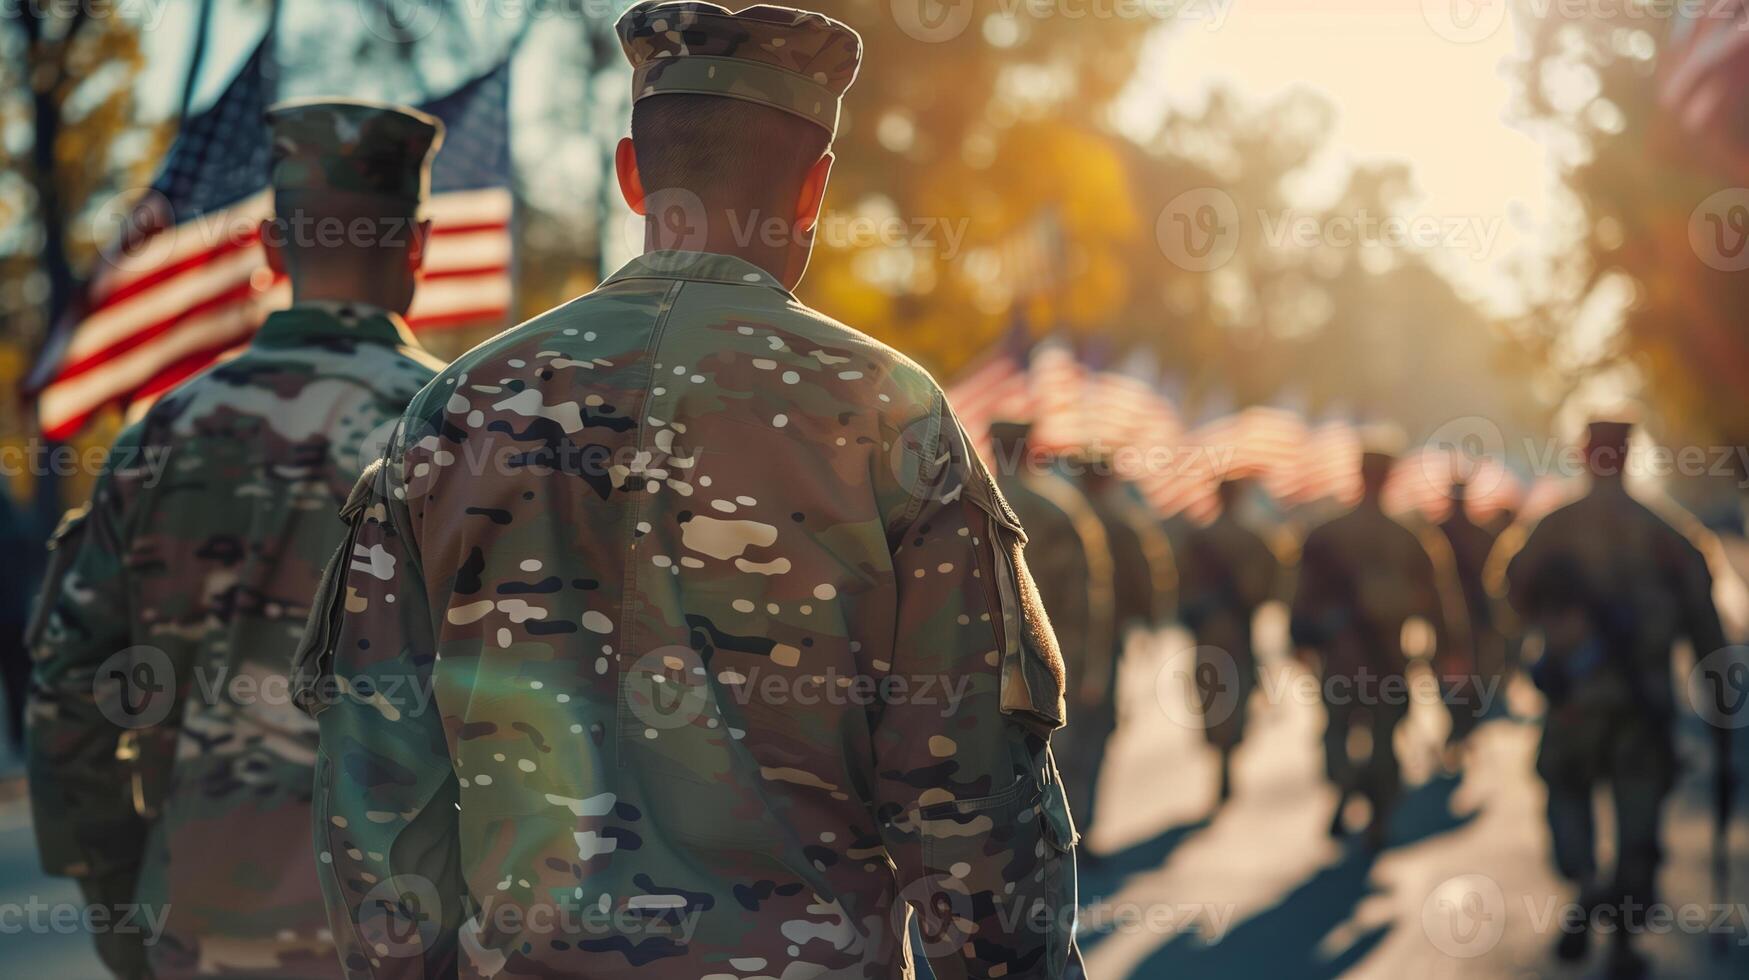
x: 324, y: 229
x: 727, y: 151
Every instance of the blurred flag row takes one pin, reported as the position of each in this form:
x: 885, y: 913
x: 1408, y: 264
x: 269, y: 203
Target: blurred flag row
x: 186, y: 279
x: 1125, y: 414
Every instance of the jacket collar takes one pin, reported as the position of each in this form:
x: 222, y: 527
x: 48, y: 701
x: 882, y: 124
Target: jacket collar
x: 322, y: 319
x: 697, y: 267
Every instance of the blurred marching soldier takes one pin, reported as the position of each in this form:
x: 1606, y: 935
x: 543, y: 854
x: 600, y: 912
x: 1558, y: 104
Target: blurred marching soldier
x: 1611, y: 587
x: 733, y: 658
x: 1469, y: 544
x: 1143, y: 580
x: 1071, y: 560
x: 168, y: 769
x: 1229, y: 571
x: 1362, y: 576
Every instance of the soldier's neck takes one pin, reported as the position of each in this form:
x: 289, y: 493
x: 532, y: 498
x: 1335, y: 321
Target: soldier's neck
x: 389, y: 300
x: 780, y: 254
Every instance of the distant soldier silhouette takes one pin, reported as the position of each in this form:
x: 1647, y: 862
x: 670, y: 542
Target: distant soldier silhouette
x: 1469, y: 545
x: 1611, y: 587
x: 1229, y: 571
x: 1143, y: 580
x: 1363, y: 576
x: 1069, y: 554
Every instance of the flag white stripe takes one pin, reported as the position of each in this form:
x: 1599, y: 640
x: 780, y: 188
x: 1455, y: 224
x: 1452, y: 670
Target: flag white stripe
x: 487, y: 293
x: 64, y: 401
x: 236, y: 223
x: 114, y: 324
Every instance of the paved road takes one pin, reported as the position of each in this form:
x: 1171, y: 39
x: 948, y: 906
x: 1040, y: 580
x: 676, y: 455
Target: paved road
x: 1259, y: 890
x: 1465, y: 888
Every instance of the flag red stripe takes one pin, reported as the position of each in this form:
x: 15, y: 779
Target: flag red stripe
x: 239, y: 293
x: 170, y: 271
x: 483, y: 270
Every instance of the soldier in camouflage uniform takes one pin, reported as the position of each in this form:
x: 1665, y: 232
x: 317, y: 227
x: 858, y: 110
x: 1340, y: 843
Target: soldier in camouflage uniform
x: 680, y: 630
x: 1361, y: 577
x: 168, y: 767
x: 1070, y: 557
x: 1611, y: 587
x: 1143, y: 580
x: 1469, y: 545
x: 1229, y: 571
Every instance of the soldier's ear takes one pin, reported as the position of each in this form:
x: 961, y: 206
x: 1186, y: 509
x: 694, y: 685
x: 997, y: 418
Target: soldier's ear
x: 631, y: 183
x: 416, y: 245
x: 271, y: 245
x: 813, y: 193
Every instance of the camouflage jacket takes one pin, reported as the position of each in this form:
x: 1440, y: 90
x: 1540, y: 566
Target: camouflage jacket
x: 1072, y: 561
x: 1144, y: 574
x: 680, y: 630
x: 1631, y: 578
x: 1361, y: 577
x: 164, y: 747
x: 1229, y: 571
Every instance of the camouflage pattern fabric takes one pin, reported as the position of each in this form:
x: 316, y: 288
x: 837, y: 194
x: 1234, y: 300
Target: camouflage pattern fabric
x: 794, y: 60
x: 1362, y: 576
x: 1229, y: 571
x: 1072, y: 562
x: 1469, y: 545
x: 167, y: 765
x: 368, y: 148
x: 681, y: 631
x: 1144, y: 573
x: 1606, y: 579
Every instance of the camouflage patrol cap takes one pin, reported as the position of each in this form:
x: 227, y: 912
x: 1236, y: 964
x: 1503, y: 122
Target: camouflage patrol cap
x: 794, y: 60
x: 368, y: 148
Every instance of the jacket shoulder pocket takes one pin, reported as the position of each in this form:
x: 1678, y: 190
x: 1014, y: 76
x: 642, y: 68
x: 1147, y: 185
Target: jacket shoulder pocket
x: 313, y: 664
x: 63, y: 547
x: 1033, y: 675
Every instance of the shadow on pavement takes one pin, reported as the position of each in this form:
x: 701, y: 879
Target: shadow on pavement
x: 1288, y: 939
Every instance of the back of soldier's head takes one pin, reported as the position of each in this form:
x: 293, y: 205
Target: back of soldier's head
x: 1606, y: 445
x: 732, y: 155
x: 348, y: 181
x: 1375, y: 471
x: 732, y: 114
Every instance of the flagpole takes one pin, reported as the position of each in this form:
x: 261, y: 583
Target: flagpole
x: 197, y: 57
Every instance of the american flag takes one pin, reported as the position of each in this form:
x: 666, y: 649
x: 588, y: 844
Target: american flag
x: 1704, y: 65
x: 995, y: 388
x: 187, y: 280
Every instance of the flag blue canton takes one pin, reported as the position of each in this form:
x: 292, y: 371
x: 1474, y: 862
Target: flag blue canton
x: 221, y: 154
x: 476, y: 141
